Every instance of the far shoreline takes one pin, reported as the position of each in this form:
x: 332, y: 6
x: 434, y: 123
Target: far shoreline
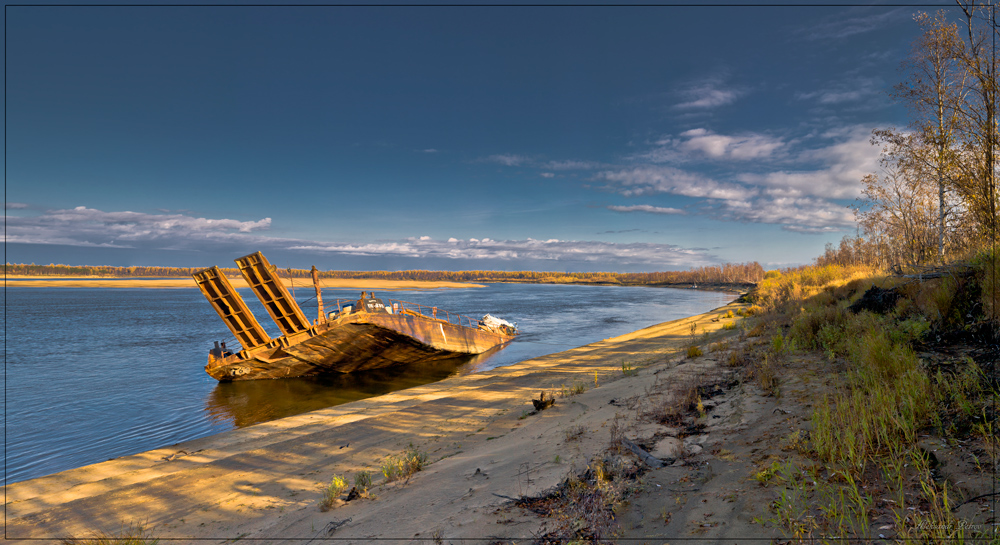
x: 55, y: 281
x: 23, y: 281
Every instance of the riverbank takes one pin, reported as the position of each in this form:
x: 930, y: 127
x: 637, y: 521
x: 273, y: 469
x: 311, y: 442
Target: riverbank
x: 21, y: 281
x: 264, y: 481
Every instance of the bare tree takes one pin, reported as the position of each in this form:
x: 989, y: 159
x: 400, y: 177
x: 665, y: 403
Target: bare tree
x: 934, y: 91
x: 898, y: 210
x: 977, y: 114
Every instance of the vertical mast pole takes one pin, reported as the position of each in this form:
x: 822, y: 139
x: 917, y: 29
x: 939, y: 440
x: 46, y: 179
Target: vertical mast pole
x: 319, y: 294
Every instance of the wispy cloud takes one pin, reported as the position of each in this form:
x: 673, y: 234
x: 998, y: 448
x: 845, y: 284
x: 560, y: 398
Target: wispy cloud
x: 844, y: 91
x: 15, y: 206
x: 701, y: 143
x: 506, y: 159
x: 82, y: 226
x: 429, y: 150
x: 666, y: 255
x: 801, y: 196
x: 844, y: 163
x: 707, y: 93
x: 548, y: 175
x: 647, y: 208
x: 87, y: 227
x: 799, y: 214
x: 856, y: 22
x: 648, y: 180
x: 571, y: 165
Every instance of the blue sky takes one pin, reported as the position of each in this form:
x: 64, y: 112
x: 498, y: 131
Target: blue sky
x: 546, y: 138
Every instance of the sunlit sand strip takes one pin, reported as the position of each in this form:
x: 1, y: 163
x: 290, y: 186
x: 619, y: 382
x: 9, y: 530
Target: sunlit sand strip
x: 281, y: 463
x: 161, y: 283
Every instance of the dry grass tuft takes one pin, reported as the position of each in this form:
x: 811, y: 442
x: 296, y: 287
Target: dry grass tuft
x: 402, y: 466
x: 132, y: 534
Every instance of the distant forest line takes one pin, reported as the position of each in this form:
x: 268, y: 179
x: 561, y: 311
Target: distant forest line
x: 729, y: 273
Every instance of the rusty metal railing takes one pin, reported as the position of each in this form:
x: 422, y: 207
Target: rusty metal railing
x: 433, y: 312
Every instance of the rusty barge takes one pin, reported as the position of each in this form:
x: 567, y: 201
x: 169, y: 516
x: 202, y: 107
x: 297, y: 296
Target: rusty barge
x: 365, y: 334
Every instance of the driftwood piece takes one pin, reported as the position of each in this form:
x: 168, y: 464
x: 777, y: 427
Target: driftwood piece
x: 646, y: 457
x: 927, y: 273
x: 542, y: 403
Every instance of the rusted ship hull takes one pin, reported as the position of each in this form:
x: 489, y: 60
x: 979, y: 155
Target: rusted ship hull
x: 366, y: 335
x: 358, y: 342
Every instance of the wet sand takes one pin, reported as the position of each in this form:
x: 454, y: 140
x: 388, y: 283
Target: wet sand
x: 264, y: 481
x: 161, y: 283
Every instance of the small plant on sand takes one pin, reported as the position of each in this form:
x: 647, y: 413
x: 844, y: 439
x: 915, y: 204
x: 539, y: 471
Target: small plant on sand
x: 404, y: 465
x: 693, y: 351
x: 729, y: 326
x: 133, y: 534
x: 574, y: 432
x: 719, y: 346
x: 628, y: 370
x: 577, y: 388
x: 332, y: 492
x: 363, y: 481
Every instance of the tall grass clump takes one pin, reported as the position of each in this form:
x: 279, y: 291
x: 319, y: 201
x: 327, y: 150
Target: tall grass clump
x: 887, y: 400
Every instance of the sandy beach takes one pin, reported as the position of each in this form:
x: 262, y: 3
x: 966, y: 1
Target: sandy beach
x: 237, y: 282
x: 264, y: 481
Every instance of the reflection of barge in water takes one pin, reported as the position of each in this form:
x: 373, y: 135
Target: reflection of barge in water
x: 364, y: 335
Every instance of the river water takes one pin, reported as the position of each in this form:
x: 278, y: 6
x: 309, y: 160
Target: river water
x: 92, y: 374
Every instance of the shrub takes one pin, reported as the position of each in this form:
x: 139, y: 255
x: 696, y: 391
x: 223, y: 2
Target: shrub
x: 363, y: 481
x: 694, y: 352
x: 404, y: 465
x: 332, y: 492
x: 576, y: 389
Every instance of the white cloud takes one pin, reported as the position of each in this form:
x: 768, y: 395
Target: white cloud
x: 82, y: 226
x: 429, y: 150
x: 801, y: 214
x: 702, y: 144
x: 86, y: 227
x: 707, y: 97
x: 571, y: 165
x: 509, y: 160
x: 548, y: 175
x: 662, y: 179
x: 647, y: 208
x: 666, y: 255
x: 707, y: 93
x: 866, y: 20
x: 845, y: 163
x: 852, y: 90
x: 15, y: 206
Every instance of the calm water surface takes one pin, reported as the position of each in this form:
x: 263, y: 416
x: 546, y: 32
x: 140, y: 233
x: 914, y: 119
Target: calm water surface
x: 92, y: 374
